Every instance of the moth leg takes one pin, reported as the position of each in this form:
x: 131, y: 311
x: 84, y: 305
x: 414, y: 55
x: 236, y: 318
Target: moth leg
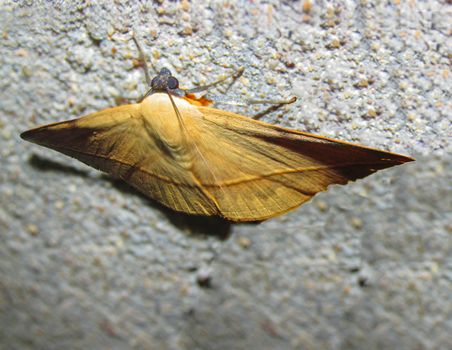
x: 235, y: 75
x: 272, y: 102
x: 246, y: 103
x: 275, y: 104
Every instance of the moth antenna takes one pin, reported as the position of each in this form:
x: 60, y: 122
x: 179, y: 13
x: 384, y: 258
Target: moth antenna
x: 181, y: 123
x: 178, y: 115
x: 142, y: 58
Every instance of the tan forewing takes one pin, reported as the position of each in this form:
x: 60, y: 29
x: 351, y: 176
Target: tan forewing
x: 256, y: 170
x: 116, y: 141
x: 237, y: 167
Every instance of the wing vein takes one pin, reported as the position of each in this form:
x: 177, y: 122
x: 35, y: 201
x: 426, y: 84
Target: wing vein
x: 235, y: 181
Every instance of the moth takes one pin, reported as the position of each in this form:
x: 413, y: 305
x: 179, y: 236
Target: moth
x: 205, y: 161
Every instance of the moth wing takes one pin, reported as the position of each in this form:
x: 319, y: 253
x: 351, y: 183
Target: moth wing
x: 115, y: 141
x: 256, y: 170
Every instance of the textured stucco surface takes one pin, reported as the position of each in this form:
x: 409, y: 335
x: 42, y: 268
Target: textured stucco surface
x: 88, y: 263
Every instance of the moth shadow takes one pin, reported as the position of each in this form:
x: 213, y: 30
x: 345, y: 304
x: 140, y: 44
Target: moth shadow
x: 196, y: 225
x: 47, y: 165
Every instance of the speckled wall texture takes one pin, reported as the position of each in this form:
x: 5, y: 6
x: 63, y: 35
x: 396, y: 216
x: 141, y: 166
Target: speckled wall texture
x: 88, y: 263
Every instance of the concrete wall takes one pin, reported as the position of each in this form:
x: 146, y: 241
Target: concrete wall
x: 88, y: 263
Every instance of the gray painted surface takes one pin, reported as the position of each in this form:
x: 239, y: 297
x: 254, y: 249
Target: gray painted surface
x: 88, y: 263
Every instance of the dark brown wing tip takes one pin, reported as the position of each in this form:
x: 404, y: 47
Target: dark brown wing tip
x: 47, y: 134
x: 397, y: 159
x: 27, y: 135
x: 35, y: 135
x: 407, y: 159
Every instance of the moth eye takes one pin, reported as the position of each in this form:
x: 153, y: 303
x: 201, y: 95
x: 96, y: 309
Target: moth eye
x: 173, y: 83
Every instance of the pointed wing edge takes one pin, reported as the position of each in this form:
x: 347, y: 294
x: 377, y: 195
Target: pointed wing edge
x: 208, y: 110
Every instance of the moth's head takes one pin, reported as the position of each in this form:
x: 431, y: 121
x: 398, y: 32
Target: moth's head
x: 164, y: 81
